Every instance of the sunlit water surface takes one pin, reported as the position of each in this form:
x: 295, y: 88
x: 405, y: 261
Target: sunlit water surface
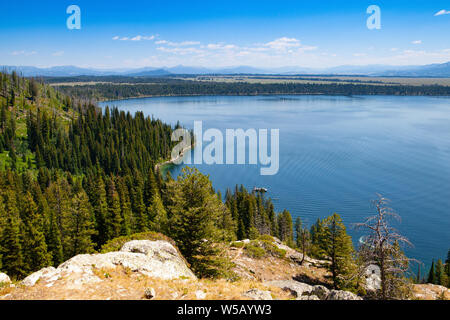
x: 336, y: 153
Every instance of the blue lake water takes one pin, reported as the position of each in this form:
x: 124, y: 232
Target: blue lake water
x: 336, y: 153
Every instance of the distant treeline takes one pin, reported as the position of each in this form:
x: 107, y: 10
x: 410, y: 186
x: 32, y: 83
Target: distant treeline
x: 171, y: 87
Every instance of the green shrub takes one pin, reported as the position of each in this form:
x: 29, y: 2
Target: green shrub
x: 237, y: 244
x: 255, y: 251
x: 266, y: 237
x: 272, y: 249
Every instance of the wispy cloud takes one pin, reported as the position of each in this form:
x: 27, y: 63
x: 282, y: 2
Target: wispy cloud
x: 283, y: 43
x: 220, y: 46
x: 58, y: 53
x: 135, y: 38
x: 181, y: 51
x: 417, y: 42
x: 178, y: 44
x: 23, y: 53
x: 441, y: 13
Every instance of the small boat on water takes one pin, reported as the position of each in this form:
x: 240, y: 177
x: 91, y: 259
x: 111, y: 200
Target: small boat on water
x: 255, y: 189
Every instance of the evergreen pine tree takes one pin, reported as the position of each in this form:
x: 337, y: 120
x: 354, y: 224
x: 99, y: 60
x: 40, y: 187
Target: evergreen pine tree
x: 114, y: 218
x: 337, y: 245
x: 10, y: 246
x: 194, y: 219
x: 100, y: 208
x: 34, y: 245
x: 439, y: 273
x: 431, y: 274
x: 158, y: 215
x: 11, y: 249
x: 53, y: 237
x: 79, y: 226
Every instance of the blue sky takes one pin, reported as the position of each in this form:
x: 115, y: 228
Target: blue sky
x: 128, y: 34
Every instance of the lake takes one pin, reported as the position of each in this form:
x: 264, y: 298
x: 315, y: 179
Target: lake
x: 336, y: 153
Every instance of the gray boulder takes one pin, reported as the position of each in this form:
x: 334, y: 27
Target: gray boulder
x: 298, y: 289
x: 256, y: 294
x: 311, y: 297
x: 4, y: 279
x: 320, y: 291
x: 342, y: 295
x: 156, y: 259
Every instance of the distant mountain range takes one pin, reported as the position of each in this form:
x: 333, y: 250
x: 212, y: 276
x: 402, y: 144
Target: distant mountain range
x: 431, y: 70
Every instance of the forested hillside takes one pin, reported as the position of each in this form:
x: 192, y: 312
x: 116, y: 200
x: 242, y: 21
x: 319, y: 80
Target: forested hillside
x: 73, y: 177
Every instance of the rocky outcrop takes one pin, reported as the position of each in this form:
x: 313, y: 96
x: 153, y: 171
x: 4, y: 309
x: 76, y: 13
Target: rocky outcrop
x: 311, y: 297
x: 321, y: 292
x: 256, y: 294
x: 296, y: 288
x: 342, y: 295
x: 156, y: 259
x: 303, y: 291
x: 4, y: 279
x: 430, y: 292
x: 373, y: 278
x: 200, y: 294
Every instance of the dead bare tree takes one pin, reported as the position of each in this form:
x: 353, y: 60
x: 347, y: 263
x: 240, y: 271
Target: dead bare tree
x: 382, y: 247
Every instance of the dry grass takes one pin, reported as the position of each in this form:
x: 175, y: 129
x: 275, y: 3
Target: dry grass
x: 274, y: 268
x: 119, y: 284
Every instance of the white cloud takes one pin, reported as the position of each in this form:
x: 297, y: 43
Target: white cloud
x: 359, y: 54
x: 279, y: 52
x: 178, y: 44
x: 135, y: 38
x: 221, y: 46
x: 441, y: 13
x: 283, y: 43
x: 181, y: 51
x: 58, y: 53
x: 417, y: 42
x: 23, y: 53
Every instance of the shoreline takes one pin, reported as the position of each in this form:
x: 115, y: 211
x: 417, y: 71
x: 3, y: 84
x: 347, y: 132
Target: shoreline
x: 161, y: 165
x: 104, y: 100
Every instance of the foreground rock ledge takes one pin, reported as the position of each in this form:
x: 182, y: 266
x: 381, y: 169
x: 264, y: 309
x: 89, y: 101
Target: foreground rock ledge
x: 156, y: 259
x: 305, y: 291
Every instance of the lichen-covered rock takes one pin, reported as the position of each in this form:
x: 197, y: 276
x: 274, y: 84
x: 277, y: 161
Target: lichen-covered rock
x: 342, y: 295
x: 298, y: 289
x: 200, y: 295
x: 311, y: 297
x: 256, y: 294
x: 321, y: 292
x: 4, y: 279
x: 373, y: 278
x: 34, y: 277
x: 156, y: 259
